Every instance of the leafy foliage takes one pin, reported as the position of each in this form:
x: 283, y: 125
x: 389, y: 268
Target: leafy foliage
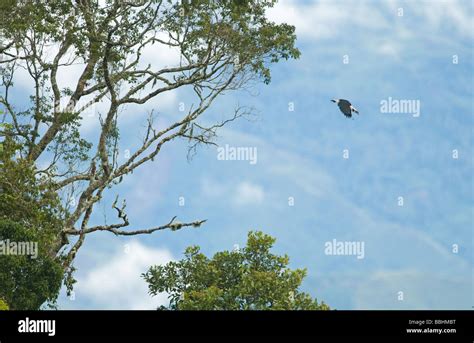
x: 27, y: 282
x: 251, y: 278
x: 3, y: 306
x: 28, y: 213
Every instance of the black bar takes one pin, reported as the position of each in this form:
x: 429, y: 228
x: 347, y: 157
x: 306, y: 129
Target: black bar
x: 238, y: 323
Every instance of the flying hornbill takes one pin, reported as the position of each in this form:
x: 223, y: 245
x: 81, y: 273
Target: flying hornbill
x: 345, y: 107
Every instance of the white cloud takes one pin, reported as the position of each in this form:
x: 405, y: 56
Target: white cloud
x: 212, y: 188
x: 160, y: 55
x: 248, y: 194
x: 326, y: 19
x: 117, y: 284
x: 438, y: 13
x: 243, y: 194
x: 388, y: 49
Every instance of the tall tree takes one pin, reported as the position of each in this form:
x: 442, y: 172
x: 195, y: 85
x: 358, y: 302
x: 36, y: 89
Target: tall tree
x: 222, y: 46
x: 250, y: 278
x: 30, y: 215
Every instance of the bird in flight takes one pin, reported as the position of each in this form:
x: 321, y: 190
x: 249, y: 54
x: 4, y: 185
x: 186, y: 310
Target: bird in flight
x: 345, y: 107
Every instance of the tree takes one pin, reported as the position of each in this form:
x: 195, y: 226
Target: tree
x: 247, y: 279
x: 222, y: 46
x: 28, y: 282
x: 29, y: 214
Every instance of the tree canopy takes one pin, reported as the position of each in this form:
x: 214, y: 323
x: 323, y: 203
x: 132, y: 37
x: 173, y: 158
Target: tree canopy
x: 221, y: 46
x: 29, y: 214
x: 251, y: 278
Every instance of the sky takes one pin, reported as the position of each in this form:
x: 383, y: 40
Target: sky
x: 398, y: 184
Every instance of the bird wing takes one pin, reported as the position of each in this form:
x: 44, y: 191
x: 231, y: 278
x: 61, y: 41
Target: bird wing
x: 345, y: 108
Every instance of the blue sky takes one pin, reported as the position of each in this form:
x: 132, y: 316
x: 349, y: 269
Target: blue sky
x: 408, y: 248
